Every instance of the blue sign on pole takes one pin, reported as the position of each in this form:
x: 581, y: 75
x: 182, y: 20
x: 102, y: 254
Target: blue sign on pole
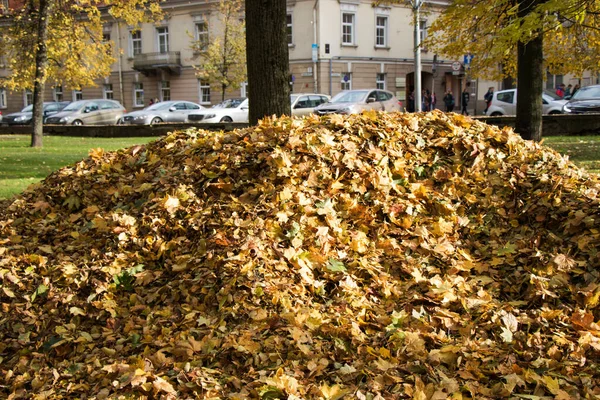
x: 467, y: 59
x: 315, y: 52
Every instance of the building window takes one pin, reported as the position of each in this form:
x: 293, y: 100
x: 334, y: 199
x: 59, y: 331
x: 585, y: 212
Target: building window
x: 423, y: 32
x: 2, y: 98
x: 348, y: 28
x: 381, y: 25
x: 244, y: 89
x: 138, y: 94
x: 58, y: 93
x: 135, y: 43
x: 202, y: 36
x: 163, y: 39
x: 346, y: 83
x: 380, y: 81
x: 77, y: 95
x: 165, y: 91
x: 108, y: 91
x: 204, y: 91
x: 27, y: 97
x: 553, y: 81
x: 290, y: 37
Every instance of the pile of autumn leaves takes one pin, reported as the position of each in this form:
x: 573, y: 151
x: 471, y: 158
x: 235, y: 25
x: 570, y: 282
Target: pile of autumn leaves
x: 424, y: 256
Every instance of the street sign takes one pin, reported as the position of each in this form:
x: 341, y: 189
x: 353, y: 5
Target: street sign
x: 456, y: 66
x: 467, y: 59
x: 315, y: 54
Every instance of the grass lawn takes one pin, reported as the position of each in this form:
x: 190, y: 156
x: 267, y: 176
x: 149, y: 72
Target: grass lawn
x: 21, y: 165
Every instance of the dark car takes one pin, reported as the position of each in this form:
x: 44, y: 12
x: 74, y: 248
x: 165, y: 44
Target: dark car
x: 24, y: 117
x: 585, y: 100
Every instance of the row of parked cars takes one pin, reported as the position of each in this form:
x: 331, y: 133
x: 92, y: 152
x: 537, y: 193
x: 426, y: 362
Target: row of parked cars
x: 108, y: 112
x: 585, y: 100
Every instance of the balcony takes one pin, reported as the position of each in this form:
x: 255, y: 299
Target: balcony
x: 152, y: 63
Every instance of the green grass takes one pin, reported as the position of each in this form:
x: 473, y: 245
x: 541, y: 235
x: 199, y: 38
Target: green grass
x: 22, y: 165
x: 582, y: 150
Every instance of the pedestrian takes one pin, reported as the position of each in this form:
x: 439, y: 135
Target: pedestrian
x: 489, y: 95
x: 568, y: 90
x: 575, y: 89
x: 560, y: 90
x: 426, y: 100
x: 151, y: 102
x: 411, y: 102
x: 465, y: 101
x: 156, y: 100
x: 433, y: 101
x: 449, y: 101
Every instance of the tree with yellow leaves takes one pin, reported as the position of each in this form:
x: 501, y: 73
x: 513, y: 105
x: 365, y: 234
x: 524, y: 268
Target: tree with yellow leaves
x: 223, y: 60
x: 522, y: 39
x: 62, y: 41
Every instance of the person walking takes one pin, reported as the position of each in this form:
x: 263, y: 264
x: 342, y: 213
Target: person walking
x: 433, y: 101
x: 488, y: 98
x: 449, y: 101
x: 575, y: 89
x: 465, y: 101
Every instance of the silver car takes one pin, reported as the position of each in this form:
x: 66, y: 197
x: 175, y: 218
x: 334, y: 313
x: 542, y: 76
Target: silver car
x: 25, y: 116
x: 89, y: 112
x: 305, y: 103
x: 355, y: 101
x: 231, y: 110
x: 165, y: 111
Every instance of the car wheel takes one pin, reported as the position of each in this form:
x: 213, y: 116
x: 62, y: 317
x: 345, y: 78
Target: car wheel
x: 155, y: 121
x: 496, y: 114
x: 226, y: 119
x: 77, y: 122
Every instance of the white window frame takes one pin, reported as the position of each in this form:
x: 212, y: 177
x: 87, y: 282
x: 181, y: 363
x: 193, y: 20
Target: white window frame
x: 162, y: 32
x: 380, y: 81
x: 204, y: 91
x: 77, y: 94
x: 106, y: 90
x: 346, y: 85
x: 3, y: 98
x: 202, y: 35
x: 381, y: 31
x: 423, y: 32
x: 244, y: 89
x: 133, y: 40
x: 289, y: 26
x: 57, y: 93
x: 138, y: 88
x: 27, y: 95
x: 352, y: 27
x: 165, y: 90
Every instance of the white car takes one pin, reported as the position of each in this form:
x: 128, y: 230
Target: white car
x: 356, y: 101
x: 305, y: 103
x: 504, y: 102
x: 231, y: 110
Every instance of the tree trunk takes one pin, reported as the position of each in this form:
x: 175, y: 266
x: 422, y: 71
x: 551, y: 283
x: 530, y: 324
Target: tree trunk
x: 530, y: 59
x: 267, y: 59
x: 41, y: 63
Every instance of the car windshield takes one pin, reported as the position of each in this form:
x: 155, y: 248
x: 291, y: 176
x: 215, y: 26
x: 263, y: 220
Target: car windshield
x: 75, y: 106
x: 590, y: 92
x: 160, y: 106
x: 29, y: 108
x: 230, y: 103
x: 292, y: 99
x: 552, y: 94
x: 352, y: 96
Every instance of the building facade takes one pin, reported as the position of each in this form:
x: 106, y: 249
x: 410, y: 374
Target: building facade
x: 334, y: 45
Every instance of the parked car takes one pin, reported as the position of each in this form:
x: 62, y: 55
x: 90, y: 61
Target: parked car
x: 504, y: 102
x: 305, y: 103
x: 89, y: 112
x: 355, y: 101
x: 165, y: 111
x: 585, y: 100
x: 231, y: 110
x: 25, y: 116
